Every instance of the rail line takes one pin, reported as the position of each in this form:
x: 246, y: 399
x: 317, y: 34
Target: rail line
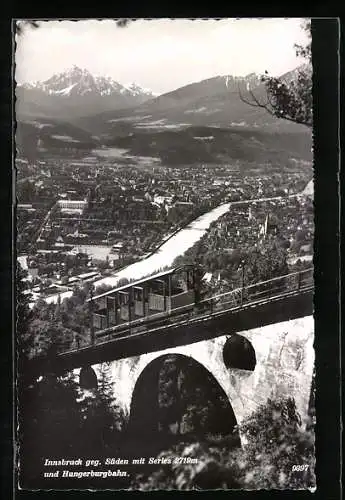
x: 235, y: 300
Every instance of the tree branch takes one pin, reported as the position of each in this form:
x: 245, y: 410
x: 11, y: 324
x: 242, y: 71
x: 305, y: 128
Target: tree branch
x: 269, y: 108
x: 123, y: 22
x: 256, y: 103
x: 20, y: 25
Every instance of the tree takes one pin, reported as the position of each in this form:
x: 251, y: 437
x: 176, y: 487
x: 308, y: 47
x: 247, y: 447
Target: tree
x: 106, y: 397
x: 23, y: 313
x: 275, y: 442
x: 50, y: 423
x: 102, y: 418
x: 122, y: 282
x: 20, y: 26
x: 50, y: 337
x: 24, y: 340
x: 103, y: 288
x: 289, y: 97
x: 264, y: 263
x: 123, y: 22
x: 57, y: 324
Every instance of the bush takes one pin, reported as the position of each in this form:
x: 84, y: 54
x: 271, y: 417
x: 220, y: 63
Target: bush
x: 273, y: 442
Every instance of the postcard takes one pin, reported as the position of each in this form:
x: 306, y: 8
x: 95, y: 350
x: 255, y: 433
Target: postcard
x: 165, y: 244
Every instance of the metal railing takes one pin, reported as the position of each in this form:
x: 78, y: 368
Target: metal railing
x: 238, y: 298
x: 258, y: 292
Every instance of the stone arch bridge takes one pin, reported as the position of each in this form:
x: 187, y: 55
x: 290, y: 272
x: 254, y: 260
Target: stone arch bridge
x: 282, y: 353
x: 255, y: 352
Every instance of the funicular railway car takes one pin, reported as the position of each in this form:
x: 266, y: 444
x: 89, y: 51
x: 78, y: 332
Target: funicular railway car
x: 145, y: 302
x: 175, y: 295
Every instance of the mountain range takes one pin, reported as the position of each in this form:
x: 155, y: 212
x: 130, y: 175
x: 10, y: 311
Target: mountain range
x: 99, y: 103
x: 214, y: 102
x: 75, y: 109
x: 74, y: 92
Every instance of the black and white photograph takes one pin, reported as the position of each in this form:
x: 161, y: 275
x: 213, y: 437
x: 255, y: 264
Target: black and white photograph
x: 164, y: 254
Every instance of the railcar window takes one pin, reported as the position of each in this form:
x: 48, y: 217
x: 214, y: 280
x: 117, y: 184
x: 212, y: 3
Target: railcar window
x: 156, y: 287
x: 138, y: 294
x: 123, y: 298
x: 111, y: 302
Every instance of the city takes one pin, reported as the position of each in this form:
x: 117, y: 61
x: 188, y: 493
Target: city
x: 77, y: 222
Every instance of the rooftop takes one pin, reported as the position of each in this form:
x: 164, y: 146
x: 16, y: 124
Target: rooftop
x: 143, y: 280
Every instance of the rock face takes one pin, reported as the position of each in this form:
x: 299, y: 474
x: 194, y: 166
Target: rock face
x: 284, y: 366
x: 76, y: 92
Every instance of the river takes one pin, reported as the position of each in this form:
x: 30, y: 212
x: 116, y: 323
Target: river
x: 167, y: 253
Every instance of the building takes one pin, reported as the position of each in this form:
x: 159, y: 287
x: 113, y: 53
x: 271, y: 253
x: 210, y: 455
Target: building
x: 250, y: 215
x: 268, y: 227
x: 72, y: 204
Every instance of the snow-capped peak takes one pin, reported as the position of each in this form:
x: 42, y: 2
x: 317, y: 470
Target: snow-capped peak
x: 77, y: 81
x: 67, y: 90
x: 135, y: 89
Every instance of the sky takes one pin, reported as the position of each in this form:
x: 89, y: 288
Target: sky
x: 160, y: 54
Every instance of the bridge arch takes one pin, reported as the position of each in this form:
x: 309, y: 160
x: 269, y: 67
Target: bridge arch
x: 126, y: 373
x: 175, y: 396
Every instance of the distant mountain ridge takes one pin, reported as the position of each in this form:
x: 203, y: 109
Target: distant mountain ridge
x: 34, y: 137
x: 204, y: 121
x: 201, y: 144
x: 75, y: 91
x: 214, y: 102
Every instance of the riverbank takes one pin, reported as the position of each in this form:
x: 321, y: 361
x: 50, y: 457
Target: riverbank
x: 168, y: 236
x: 173, y: 247
x: 177, y: 244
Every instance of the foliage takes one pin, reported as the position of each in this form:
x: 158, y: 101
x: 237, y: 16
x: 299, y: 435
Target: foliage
x: 305, y: 51
x: 106, y: 396
x: 101, y: 418
x: 230, y: 145
x: 261, y: 263
x: 49, y: 423
x: 60, y: 420
x: 265, y: 262
x: 189, y: 402
x: 102, y: 289
x: 273, y: 442
x: 49, y: 337
x: 123, y: 22
x: 208, y: 473
x: 24, y: 339
x: 21, y: 25
x: 74, y: 312
x: 58, y: 326
x: 23, y: 314
x: 289, y: 98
